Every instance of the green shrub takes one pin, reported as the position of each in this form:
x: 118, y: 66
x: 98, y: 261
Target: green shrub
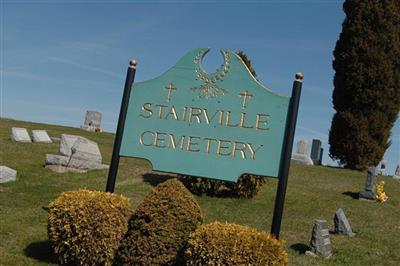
x: 85, y: 227
x: 231, y: 244
x: 247, y: 186
x: 159, y: 228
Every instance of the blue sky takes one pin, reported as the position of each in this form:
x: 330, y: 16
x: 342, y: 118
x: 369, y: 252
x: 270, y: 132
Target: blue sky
x: 61, y: 58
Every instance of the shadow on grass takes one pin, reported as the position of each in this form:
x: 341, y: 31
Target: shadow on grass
x: 354, y: 195
x: 155, y: 179
x: 41, y: 251
x: 299, y: 247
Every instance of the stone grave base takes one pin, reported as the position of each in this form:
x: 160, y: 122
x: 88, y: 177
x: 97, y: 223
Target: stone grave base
x: 65, y: 169
x: 90, y: 128
x: 312, y: 254
x: 302, y: 159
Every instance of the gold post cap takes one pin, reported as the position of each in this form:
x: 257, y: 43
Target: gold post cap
x: 299, y: 76
x: 132, y: 64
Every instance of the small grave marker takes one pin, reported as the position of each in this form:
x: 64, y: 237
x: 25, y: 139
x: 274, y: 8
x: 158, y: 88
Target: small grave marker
x: 320, y: 243
x: 370, y: 192
x: 342, y: 225
x: 7, y: 174
x: 41, y: 136
x: 20, y: 135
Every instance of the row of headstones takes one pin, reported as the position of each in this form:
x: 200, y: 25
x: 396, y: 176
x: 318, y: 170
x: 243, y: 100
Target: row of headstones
x: 8, y: 174
x: 301, y: 155
x: 22, y: 135
x: 77, y: 154
x: 320, y: 243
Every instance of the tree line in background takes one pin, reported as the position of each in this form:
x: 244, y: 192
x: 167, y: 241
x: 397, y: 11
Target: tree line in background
x: 366, y: 96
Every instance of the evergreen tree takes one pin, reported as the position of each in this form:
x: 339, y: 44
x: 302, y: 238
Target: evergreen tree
x: 367, y: 82
x: 247, y: 62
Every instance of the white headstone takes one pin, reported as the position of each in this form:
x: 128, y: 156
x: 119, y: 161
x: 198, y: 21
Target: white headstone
x: 78, y: 153
x: 20, y: 135
x: 92, y: 121
x: 397, y: 173
x: 301, y: 156
x: 41, y: 136
x: 302, y: 147
x: 7, y: 174
x: 66, y: 143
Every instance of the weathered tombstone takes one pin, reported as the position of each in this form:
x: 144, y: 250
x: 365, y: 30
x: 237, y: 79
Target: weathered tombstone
x: 397, y: 173
x: 41, y: 136
x: 342, y: 225
x: 92, y: 121
x: 20, y: 135
x: 369, y: 193
x: 78, y: 154
x: 7, y: 174
x: 321, y: 153
x: 301, y: 156
x: 66, y: 143
x: 316, y: 152
x: 320, y: 243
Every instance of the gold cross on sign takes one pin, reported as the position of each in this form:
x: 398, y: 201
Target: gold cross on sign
x: 246, y: 95
x: 171, y: 87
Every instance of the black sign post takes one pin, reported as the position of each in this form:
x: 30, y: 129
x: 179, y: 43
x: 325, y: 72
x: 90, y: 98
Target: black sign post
x: 286, y: 155
x: 112, y: 173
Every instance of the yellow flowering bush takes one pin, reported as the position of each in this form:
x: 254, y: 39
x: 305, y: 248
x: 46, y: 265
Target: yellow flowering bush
x: 380, y: 193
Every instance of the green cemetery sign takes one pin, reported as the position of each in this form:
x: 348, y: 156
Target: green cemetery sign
x: 218, y: 125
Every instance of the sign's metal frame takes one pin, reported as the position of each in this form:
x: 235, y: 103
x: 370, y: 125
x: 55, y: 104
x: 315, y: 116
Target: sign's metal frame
x: 285, y: 155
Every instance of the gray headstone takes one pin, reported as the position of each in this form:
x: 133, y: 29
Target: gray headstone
x: 320, y: 243
x: 397, y: 173
x: 316, y: 151
x: 41, y: 136
x: 78, y: 154
x: 7, y: 174
x: 93, y: 119
x: 342, y: 225
x: 52, y: 159
x: 20, y: 135
x: 66, y: 143
x: 86, y: 150
x: 301, y: 156
x: 369, y: 193
x: 302, y: 147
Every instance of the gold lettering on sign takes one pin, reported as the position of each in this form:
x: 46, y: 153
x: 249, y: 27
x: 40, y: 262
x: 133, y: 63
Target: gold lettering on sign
x: 159, y: 140
x: 195, y: 112
x: 243, y: 121
x: 146, y: 108
x: 235, y: 147
x: 209, y: 144
x: 208, y: 119
x: 262, y: 121
x: 184, y: 143
x: 170, y: 88
x: 222, y: 148
x: 253, y: 151
x: 245, y: 95
x: 141, y: 139
x: 160, y: 110
x: 191, y: 144
x: 228, y: 120
x: 172, y: 111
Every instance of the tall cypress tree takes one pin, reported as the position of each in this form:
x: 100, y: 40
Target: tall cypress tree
x: 366, y: 96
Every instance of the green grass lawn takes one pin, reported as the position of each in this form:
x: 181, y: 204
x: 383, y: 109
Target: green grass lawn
x: 313, y: 193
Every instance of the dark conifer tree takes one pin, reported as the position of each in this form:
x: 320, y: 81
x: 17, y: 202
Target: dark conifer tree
x: 366, y: 96
x: 247, y: 62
